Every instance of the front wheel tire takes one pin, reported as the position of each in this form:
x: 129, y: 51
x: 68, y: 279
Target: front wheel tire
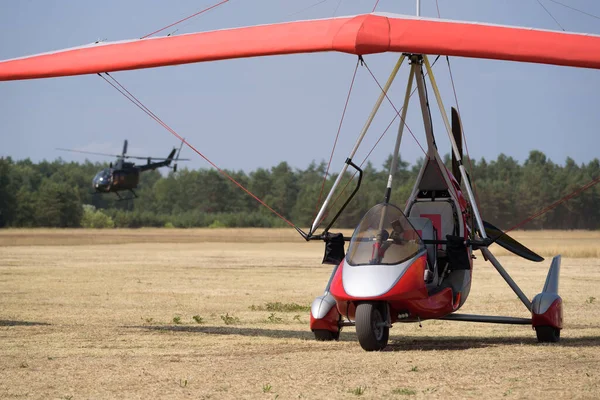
x: 371, y: 327
x: 547, y: 334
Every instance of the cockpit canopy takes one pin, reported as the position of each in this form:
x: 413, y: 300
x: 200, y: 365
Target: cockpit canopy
x: 384, y: 236
x: 102, y: 179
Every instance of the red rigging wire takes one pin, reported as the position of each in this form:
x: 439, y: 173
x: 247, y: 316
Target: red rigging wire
x: 121, y: 89
x: 556, y: 204
x: 336, y: 139
x: 186, y: 18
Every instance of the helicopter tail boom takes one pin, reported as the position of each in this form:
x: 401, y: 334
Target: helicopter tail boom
x: 165, y: 163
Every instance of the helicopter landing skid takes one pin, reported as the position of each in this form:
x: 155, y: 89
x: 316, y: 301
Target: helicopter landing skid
x: 135, y: 196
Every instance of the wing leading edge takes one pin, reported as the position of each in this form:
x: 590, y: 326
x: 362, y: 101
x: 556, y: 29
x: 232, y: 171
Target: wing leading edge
x: 359, y: 35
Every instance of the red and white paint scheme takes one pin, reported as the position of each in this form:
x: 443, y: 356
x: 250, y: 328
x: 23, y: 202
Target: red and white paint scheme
x: 416, y: 264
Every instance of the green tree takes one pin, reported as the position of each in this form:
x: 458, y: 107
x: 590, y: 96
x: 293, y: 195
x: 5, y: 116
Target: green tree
x: 7, y: 197
x: 58, y: 205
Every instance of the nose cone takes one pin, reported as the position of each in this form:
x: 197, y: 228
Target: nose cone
x: 100, y: 184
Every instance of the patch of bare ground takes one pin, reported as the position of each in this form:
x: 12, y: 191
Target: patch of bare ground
x: 89, y: 314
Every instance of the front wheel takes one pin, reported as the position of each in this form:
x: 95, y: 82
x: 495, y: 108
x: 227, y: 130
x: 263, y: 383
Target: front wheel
x: 371, y: 327
x: 547, y: 334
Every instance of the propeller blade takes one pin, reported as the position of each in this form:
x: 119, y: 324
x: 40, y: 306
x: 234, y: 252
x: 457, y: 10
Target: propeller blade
x: 124, y: 148
x: 457, y: 133
x: 88, y: 152
x: 509, y: 243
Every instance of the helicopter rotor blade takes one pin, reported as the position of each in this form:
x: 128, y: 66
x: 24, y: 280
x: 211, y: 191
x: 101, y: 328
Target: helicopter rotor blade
x: 457, y: 133
x: 153, y: 158
x: 88, y: 152
x: 119, y: 155
x: 124, y: 149
x: 510, y: 244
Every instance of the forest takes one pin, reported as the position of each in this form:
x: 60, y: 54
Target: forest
x: 59, y: 194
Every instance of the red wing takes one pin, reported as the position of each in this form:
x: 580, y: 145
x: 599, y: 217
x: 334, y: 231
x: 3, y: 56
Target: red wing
x: 362, y: 34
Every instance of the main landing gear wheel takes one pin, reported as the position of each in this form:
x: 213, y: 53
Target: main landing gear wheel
x: 371, y: 327
x: 323, y: 335
x: 547, y: 334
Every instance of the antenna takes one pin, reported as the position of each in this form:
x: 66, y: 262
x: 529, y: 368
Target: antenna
x: 418, y: 8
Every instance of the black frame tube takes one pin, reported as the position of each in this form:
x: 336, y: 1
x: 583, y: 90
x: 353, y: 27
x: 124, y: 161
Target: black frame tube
x: 360, y: 175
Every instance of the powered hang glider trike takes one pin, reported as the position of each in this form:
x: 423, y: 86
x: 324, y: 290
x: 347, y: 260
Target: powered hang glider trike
x: 402, y: 265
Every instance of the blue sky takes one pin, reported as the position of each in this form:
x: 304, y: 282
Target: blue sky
x: 251, y: 113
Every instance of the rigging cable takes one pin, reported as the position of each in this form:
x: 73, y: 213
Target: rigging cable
x: 394, y: 107
x: 576, y: 191
x: 336, y: 138
x: 336, y: 8
x: 405, y: 124
x: 575, y: 9
x: 186, y: 18
x: 555, y: 204
x: 462, y: 132
x: 307, y: 8
x: 550, y: 14
x: 375, y: 6
x: 377, y: 142
x: 121, y: 89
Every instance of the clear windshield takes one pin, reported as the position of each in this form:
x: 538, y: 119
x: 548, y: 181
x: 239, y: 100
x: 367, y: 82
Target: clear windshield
x: 102, y: 178
x: 384, y: 236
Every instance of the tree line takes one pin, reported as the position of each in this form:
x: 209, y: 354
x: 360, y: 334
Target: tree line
x: 59, y: 194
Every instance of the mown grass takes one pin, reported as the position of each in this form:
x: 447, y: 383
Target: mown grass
x: 281, y: 307
x: 96, y: 321
x: 547, y: 243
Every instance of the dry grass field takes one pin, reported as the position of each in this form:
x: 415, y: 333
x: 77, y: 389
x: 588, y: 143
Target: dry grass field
x: 169, y: 314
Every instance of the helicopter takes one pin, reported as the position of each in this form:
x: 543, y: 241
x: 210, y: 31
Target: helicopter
x: 403, y: 264
x: 123, y: 175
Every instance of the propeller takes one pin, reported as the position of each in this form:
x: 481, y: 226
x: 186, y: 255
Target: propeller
x: 457, y: 133
x: 510, y: 244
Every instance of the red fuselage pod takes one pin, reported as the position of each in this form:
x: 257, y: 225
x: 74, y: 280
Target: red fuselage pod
x: 401, y: 286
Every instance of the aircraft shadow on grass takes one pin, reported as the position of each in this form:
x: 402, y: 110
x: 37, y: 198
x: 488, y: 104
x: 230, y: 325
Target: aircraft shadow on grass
x: 4, y: 322
x: 397, y: 343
